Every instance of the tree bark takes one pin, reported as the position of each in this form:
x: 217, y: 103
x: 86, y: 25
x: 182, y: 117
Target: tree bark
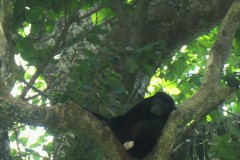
x: 174, y: 22
x: 209, y: 96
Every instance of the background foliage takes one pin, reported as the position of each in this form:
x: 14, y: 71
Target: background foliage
x: 72, y: 60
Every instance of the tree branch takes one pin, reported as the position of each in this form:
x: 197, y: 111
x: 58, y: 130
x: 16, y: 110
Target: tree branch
x: 8, y: 67
x: 186, y: 20
x: 222, y: 47
x: 209, y: 96
x: 138, y: 23
x: 70, y: 117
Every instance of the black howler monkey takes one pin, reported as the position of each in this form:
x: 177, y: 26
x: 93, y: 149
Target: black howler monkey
x: 141, y: 125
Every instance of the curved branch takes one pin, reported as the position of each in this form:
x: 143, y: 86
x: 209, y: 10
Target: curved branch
x: 186, y: 20
x: 209, y: 96
x: 222, y: 46
x: 70, y: 117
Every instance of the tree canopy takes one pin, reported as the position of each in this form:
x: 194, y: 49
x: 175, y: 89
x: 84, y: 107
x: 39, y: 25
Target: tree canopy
x: 62, y: 60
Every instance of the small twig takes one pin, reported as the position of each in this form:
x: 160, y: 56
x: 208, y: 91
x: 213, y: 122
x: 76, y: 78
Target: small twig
x: 34, y: 88
x: 233, y: 114
x: 17, y: 141
x: 57, y: 48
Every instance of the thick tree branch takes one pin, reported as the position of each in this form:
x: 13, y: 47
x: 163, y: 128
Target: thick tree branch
x: 70, y: 117
x: 186, y: 20
x: 221, y: 49
x: 137, y: 27
x: 172, y: 22
x: 7, y: 47
x: 210, y: 95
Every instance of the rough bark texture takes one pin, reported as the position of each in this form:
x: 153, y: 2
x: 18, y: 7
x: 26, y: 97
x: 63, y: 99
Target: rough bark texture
x: 6, y: 73
x: 172, y: 21
x: 70, y: 117
x: 210, y: 95
x: 7, y: 51
x: 175, y: 22
x: 186, y: 19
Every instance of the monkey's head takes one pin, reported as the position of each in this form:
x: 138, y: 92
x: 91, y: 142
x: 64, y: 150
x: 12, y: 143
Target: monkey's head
x: 161, y: 104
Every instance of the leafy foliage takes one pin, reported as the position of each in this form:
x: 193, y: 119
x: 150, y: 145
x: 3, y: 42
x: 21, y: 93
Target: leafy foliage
x: 79, y: 62
x: 224, y: 147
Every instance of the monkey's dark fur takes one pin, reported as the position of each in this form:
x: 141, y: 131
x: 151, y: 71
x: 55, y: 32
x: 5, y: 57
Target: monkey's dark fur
x: 142, y: 124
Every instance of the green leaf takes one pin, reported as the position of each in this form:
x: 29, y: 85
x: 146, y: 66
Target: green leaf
x: 48, y: 148
x: 35, y: 145
x: 90, y: 54
x: 93, y: 38
x: 49, y: 26
x: 131, y: 64
x: 12, y: 137
x: 104, y: 13
x: 13, y: 151
x: 26, y: 48
x: 98, y: 30
x: 216, y: 115
x: 233, y: 129
x: 23, y: 140
x: 118, y: 88
x: 147, y: 69
x: 34, y: 14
